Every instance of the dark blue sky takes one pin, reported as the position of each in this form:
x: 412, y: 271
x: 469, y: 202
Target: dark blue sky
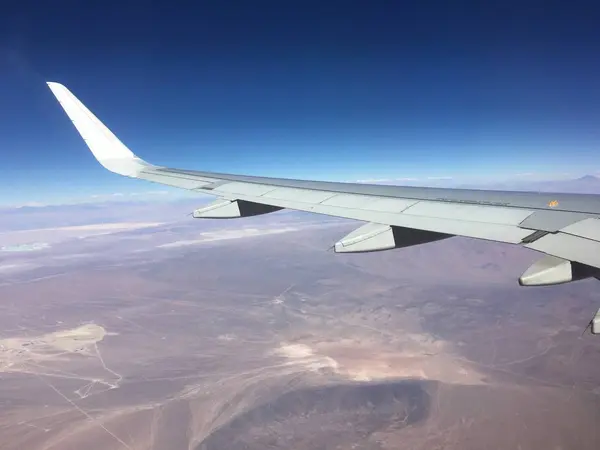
x: 323, y: 90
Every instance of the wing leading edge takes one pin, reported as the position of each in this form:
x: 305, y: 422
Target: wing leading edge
x: 566, y: 227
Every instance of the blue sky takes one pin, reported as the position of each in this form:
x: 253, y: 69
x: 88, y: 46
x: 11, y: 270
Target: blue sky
x: 322, y: 90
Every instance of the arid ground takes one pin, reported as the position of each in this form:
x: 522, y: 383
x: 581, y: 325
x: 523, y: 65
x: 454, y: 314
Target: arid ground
x: 144, y: 333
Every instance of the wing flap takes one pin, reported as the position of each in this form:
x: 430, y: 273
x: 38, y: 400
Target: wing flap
x: 394, y: 205
x: 551, y: 221
x: 349, y: 201
x: 570, y: 247
x: 443, y: 217
x: 299, y: 195
x: 588, y: 228
x: 251, y: 189
x: 471, y: 213
x: 488, y: 231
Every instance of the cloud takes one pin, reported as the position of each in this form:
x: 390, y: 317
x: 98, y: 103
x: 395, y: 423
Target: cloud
x: 136, y: 194
x: 382, y: 180
x: 30, y: 205
x: 93, y: 198
x: 25, y: 247
x: 372, y: 180
x: 525, y: 174
x: 229, y: 234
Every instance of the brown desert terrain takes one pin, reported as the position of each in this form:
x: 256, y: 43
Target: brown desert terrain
x: 251, y: 334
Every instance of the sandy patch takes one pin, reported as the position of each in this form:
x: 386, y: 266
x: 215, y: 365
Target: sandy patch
x: 303, y: 355
x: 420, y: 358
x: 16, y: 351
x: 295, y: 351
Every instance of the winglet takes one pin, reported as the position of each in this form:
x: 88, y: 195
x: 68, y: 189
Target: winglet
x: 105, y: 146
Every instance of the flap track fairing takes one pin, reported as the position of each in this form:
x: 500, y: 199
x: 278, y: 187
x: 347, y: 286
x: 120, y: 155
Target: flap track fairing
x: 233, y: 209
x: 374, y: 237
x: 551, y: 270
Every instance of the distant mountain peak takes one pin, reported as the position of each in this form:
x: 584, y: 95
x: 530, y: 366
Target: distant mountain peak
x: 588, y: 178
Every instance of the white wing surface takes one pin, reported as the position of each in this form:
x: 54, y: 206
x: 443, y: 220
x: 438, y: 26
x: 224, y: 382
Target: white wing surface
x: 566, y: 227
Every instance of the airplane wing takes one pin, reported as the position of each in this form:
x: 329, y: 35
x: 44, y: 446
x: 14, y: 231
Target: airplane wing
x: 565, y: 227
